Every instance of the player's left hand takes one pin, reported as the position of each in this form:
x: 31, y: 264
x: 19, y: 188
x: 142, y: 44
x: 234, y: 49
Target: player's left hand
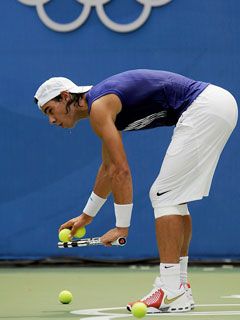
x: 113, y: 235
x: 75, y: 223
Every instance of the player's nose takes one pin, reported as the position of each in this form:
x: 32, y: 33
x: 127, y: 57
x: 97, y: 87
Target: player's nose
x: 52, y: 120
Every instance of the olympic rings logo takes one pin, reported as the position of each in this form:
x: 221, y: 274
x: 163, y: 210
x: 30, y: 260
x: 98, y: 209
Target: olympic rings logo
x: 99, y: 5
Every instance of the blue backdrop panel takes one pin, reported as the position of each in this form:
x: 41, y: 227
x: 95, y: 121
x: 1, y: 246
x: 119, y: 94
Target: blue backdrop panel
x: 47, y: 173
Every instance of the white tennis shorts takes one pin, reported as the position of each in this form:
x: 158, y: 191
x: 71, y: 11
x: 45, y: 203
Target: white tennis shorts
x: 197, y: 142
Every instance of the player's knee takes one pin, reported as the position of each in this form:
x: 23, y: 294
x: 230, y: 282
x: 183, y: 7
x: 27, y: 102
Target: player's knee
x: 158, y: 199
x: 157, y: 195
x: 180, y: 209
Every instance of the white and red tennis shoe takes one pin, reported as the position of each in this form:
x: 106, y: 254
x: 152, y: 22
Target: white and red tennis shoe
x: 188, y: 290
x: 161, y: 300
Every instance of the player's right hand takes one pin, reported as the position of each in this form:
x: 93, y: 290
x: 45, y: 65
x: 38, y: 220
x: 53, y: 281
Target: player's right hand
x: 114, y: 234
x: 75, y: 223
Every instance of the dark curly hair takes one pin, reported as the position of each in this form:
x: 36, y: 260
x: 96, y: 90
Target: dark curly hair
x: 75, y: 97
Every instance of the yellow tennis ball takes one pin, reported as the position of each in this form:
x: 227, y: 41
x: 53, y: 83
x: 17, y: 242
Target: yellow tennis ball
x: 139, y: 309
x: 65, y: 297
x: 80, y: 232
x: 64, y: 235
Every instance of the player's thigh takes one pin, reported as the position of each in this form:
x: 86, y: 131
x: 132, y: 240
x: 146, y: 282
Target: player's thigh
x: 182, y: 156
x: 190, y: 161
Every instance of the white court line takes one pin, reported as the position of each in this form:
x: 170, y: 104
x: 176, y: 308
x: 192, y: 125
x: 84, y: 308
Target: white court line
x: 100, y: 314
x: 218, y: 305
x: 207, y: 269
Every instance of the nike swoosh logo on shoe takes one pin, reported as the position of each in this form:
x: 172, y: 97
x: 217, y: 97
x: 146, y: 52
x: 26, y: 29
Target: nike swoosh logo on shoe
x: 168, y: 301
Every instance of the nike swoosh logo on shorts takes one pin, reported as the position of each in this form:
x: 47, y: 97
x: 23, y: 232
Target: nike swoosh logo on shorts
x: 168, y: 301
x: 160, y: 194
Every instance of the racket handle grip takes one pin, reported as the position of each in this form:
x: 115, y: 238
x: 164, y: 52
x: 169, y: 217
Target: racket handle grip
x: 119, y: 242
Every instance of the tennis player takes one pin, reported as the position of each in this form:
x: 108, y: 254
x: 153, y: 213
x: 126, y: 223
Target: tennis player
x: 204, y: 117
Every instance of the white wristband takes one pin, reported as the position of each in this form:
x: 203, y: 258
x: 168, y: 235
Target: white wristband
x: 93, y: 205
x: 123, y: 213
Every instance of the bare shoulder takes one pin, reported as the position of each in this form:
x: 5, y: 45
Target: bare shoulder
x: 109, y: 104
x: 103, y: 115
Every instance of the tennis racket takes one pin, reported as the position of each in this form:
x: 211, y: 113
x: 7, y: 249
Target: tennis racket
x: 90, y: 242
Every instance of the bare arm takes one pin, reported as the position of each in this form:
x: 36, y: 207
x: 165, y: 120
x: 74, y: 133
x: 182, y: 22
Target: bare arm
x: 102, y: 185
x: 102, y: 120
x: 114, y: 173
x: 103, y: 115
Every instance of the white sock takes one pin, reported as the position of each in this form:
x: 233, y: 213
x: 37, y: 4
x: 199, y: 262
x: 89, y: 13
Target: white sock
x: 183, y: 269
x: 170, y: 275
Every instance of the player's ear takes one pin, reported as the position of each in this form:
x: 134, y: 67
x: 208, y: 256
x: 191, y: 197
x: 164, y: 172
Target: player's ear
x: 81, y: 101
x: 65, y: 95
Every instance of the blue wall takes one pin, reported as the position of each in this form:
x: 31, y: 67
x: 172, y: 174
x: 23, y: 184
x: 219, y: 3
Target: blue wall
x: 47, y: 173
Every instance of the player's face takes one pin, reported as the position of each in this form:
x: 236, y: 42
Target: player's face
x: 58, y: 113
